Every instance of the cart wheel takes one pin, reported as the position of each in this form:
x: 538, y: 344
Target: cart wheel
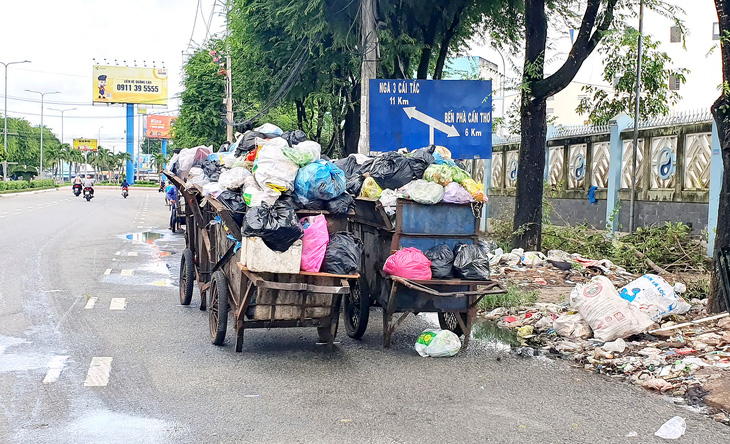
x: 447, y: 321
x: 218, y: 314
x: 187, y: 277
x: 357, y: 310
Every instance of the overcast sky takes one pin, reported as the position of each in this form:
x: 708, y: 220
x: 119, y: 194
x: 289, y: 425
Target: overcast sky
x: 62, y: 37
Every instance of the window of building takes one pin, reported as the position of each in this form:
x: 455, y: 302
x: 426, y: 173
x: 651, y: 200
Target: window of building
x: 675, y: 34
x: 674, y: 83
x: 716, y: 31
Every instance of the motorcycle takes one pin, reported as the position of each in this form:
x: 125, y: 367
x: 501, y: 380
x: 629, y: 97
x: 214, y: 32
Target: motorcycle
x: 162, y: 187
x: 125, y: 192
x: 88, y: 193
x: 77, y: 189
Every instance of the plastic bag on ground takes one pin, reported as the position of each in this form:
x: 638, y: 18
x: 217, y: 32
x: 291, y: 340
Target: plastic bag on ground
x: 294, y: 137
x: 391, y: 170
x: 370, y: 188
x: 442, y: 261
x: 343, y: 254
x: 672, y: 429
x: 276, y: 224
x: 233, y: 179
x: 408, y: 263
x: 456, y: 194
x: 314, y: 242
x: 303, y: 153
x: 533, y: 259
x: 609, y: 316
x: 341, y: 204
x: 654, y: 296
x: 270, y: 130
x: 438, y: 343
x: 572, y: 326
x: 424, y: 192
x: 319, y: 180
x: 471, y: 261
x: 273, y: 169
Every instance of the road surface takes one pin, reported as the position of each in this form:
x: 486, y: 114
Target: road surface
x: 94, y: 347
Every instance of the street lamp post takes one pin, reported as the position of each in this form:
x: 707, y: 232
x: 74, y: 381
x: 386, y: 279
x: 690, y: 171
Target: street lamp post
x: 63, y: 111
x: 5, y: 132
x: 43, y: 94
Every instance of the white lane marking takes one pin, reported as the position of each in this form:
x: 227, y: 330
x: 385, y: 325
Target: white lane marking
x: 54, y: 369
x: 127, y: 272
x: 1, y: 217
x: 90, y: 303
x: 132, y: 253
x: 117, y: 253
x: 98, y: 375
x: 140, y: 226
x: 118, y: 304
x: 107, y: 272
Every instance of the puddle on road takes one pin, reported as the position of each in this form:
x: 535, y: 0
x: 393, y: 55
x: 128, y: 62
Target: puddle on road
x: 112, y: 427
x: 147, y: 237
x: 21, y: 362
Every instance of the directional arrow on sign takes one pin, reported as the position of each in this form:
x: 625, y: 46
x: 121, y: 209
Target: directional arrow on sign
x: 449, y: 130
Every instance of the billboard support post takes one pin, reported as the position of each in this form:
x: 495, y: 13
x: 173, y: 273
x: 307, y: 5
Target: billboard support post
x: 130, y: 142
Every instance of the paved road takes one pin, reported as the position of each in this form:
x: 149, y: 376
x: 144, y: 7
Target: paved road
x: 72, y: 369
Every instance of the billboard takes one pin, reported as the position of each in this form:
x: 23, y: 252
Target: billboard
x: 158, y: 127
x: 125, y: 84
x: 144, y: 163
x: 85, y: 144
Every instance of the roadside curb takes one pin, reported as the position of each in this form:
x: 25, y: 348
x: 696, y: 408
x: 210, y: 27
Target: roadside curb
x: 24, y: 193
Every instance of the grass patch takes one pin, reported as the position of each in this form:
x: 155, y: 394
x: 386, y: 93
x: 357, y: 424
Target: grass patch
x: 515, y: 297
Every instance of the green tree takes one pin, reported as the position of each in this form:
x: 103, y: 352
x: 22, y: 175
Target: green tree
x: 620, y: 53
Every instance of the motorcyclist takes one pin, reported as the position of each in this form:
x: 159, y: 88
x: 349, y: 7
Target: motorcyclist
x: 89, y: 183
x: 77, y: 184
x: 125, y: 185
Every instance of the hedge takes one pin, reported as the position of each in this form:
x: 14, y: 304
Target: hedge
x: 24, y: 184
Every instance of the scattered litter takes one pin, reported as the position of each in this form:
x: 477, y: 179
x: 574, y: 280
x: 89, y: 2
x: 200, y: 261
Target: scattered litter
x: 672, y: 429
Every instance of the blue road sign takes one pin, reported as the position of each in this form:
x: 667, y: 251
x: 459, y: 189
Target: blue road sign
x: 456, y: 114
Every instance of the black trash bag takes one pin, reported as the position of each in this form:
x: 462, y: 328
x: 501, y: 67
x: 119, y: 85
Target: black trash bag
x: 212, y: 169
x: 294, y: 137
x: 234, y: 202
x: 391, y: 170
x: 225, y: 147
x: 290, y: 200
x: 316, y: 205
x: 348, y: 165
x: 343, y: 254
x: 471, y: 261
x: 276, y: 224
x: 341, y: 204
x: 420, y: 159
x: 442, y: 261
x: 248, y: 143
x: 354, y: 185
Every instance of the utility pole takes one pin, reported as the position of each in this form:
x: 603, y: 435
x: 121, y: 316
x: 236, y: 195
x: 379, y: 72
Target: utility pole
x: 636, y: 119
x: 5, y: 133
x: 369, y: 49
x: 229, y: 84
x: 43, y: 94
x: 62, y: 139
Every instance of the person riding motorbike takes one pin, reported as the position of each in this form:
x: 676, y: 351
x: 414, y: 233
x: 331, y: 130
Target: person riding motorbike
x: 89, y: 183
x: 77, y: 185
x: 125, y: 188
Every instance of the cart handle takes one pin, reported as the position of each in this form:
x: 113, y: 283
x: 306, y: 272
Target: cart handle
x: 414, y: 286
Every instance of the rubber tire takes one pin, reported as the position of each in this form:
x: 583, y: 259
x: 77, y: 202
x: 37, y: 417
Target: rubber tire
x: 218, y: 313
x: 447, y: 321
x: 187, y: 277
x: 359, y: 309
x: 88, y: 197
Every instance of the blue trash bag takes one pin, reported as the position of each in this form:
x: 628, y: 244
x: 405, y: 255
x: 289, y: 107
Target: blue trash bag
x: 321, y: 180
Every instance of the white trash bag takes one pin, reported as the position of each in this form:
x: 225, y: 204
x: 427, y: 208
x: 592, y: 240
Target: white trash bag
x: 438, y: 343
x: 654, y: 296
x: 426, y: 193
x: 272, y: 169
x: 609, y: 316
x: 672, y: 429
x: 572, y: 326
x: 233, y: 179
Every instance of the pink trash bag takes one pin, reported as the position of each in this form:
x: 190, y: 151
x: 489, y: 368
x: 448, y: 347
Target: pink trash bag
x: 408, y: 263
x: 314, y: 242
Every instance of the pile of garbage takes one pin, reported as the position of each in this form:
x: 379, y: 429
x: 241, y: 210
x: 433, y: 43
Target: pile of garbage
x: 267, y: 175
x: 643, y: 331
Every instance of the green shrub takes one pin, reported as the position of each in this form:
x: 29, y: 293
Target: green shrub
x: 40, y: 183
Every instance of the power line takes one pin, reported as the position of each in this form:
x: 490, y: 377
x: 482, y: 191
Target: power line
x: 192, y: 33
x: 82, y: 117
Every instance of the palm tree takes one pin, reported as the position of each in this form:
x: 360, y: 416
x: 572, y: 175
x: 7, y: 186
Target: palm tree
x: 159, y: 161
x: 75, y: 156
x: 122, y: 159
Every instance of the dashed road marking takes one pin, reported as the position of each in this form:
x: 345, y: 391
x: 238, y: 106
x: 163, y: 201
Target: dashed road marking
x: 132, y: 253
x: 90, y: 303
x: 127, y: 272
x: 140, y: 226
x: 118, y: 304
x: 107, y: 272
x: 54, y: 369
x: 117, y: 253
x: 98, y: 375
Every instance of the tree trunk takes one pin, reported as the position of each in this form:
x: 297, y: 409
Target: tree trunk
x: 721, y: 113
x: 446, y: 42
x: 429, y: 39
x: 352, y: 121
x: 301, y: 113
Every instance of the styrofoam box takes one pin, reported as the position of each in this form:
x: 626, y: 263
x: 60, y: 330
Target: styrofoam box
x: 257, y: 257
